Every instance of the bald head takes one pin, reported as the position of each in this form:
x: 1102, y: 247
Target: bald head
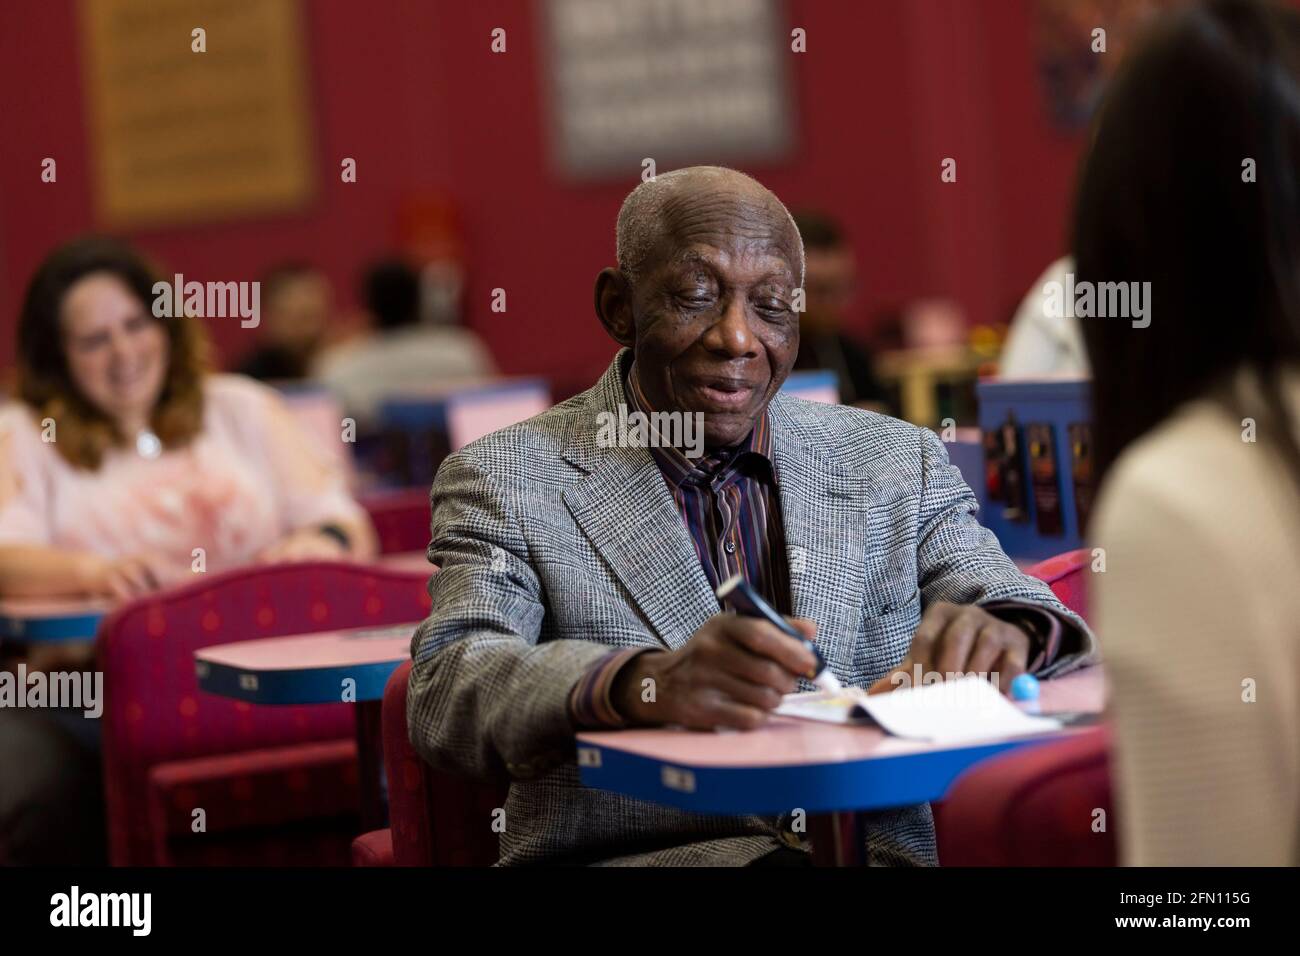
x: 655, y: 215
x: 705, y: 295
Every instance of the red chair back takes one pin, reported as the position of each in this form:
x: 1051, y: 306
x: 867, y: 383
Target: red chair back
x: 1036, y: 806
x: 1044, y: 805
x: 154, y: 710
x: 1067, y: 574
x: 401, y: 518
x: 436, y: 818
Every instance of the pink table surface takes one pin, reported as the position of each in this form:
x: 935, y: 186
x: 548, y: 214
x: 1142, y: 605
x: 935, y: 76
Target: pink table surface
x: 405, y: 561
x: 788, y: 741
x: 305, y: 652
x: 472, y: 418
x: 32, y: 609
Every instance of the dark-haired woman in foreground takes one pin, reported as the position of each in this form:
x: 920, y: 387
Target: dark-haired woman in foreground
x: 1193, y: 185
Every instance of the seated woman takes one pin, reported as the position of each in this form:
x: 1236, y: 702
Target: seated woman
x: 121, y: 461
x: 124, y: 457
x: 1193, y: 185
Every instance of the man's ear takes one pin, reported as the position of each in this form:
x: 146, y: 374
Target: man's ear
x: 614, y: 306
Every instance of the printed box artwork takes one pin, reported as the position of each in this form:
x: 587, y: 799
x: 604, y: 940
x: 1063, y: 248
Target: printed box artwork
x: 1081, y: 469
x: 1043, y: 478
x: 1012, y: 471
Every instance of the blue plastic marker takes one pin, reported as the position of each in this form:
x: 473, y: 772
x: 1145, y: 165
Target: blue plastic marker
x: 1025, y: 691
x: 748, y: 602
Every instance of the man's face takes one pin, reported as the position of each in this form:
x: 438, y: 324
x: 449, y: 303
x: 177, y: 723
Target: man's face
x: 714, y: 329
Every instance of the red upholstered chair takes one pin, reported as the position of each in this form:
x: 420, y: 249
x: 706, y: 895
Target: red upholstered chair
x: 1035, y: 806
x: 1067, y: 574
x: 400, y: 517
x: 277, y: 784
x: 373, y: 849
x: 438, y: 819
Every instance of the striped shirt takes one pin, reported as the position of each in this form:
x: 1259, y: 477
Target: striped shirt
x: 730, y: 504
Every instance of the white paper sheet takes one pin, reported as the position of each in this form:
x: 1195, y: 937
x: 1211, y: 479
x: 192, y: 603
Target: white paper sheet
x: 953, y: 711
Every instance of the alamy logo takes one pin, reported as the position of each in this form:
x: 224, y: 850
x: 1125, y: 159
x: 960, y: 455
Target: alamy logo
x: 208, y: 300
x: 955, y: 690
x: 71, y: 690
x: 684, y: 430
x: 1102, y: 300
x: 75, y: 908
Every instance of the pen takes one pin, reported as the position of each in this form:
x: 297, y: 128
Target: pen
x: 748, y: 602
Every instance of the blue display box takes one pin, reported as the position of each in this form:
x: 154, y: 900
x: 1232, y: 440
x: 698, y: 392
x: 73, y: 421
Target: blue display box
x: 1058, y: 404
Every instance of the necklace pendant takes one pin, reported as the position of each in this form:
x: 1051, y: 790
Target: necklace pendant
x: 148, y: 445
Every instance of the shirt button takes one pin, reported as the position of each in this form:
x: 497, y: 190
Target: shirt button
x: 731, y: 547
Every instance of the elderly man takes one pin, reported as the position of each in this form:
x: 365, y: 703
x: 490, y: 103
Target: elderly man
x: 576, y: 569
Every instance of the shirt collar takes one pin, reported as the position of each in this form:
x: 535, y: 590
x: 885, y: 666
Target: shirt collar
x: 752, y: 455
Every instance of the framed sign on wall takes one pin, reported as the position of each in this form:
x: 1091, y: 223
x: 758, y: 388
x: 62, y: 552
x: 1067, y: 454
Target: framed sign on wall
x: 198, y: 110
x: 676, y: 81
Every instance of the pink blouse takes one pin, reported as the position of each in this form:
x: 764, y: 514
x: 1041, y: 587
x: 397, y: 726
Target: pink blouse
x: 251, y: 476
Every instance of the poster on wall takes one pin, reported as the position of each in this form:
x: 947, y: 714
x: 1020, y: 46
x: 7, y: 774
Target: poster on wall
x: 1079, y: 45
x: 677, y: 81
x: 197, y: 110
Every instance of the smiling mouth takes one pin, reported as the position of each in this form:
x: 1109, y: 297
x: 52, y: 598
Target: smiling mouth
x: 724, y: 394
x: 128, y: 378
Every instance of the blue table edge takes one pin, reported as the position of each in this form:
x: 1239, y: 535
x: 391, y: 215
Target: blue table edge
x: 284, y: 687
x: 873, y: 783
x: 73, y: 627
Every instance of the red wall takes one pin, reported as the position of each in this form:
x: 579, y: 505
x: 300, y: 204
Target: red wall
x: 409, y: 88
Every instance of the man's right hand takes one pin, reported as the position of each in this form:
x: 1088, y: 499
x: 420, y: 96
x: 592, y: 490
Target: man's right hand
x: 731, y: 673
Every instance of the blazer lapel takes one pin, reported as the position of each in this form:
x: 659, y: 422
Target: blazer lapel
x: 628, y: 514
x: 828, y: 519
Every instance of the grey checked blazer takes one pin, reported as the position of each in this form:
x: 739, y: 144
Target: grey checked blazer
x: 553, y: 551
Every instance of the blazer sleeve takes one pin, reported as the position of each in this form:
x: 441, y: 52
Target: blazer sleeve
x: 960, y: 561
x: 486, y: 696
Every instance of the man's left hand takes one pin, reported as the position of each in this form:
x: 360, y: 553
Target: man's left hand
x: 958, y: 639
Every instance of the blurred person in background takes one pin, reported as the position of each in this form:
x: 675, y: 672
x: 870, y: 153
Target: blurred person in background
x: 405, y: 353
x: 1192, y: 185
x: 829, y: 282
x: 1040, y: 344
x: 120, y: 457
x: 297, y: 305
x: 122, y: 454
